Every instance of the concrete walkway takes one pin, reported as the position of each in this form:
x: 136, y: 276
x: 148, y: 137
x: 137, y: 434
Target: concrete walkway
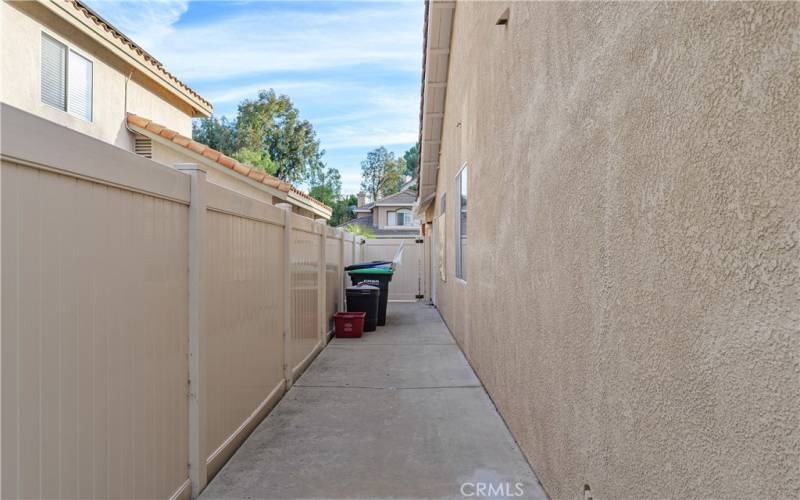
x: 396, y: 414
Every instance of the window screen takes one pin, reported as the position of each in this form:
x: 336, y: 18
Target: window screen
x: 79, y: 97
x: 66, y: 79
x: 461, y: 225
x: 54, y: 70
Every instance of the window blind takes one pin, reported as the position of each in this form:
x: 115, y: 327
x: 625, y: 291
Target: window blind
x: 54, y: 66
x: 80, y: 86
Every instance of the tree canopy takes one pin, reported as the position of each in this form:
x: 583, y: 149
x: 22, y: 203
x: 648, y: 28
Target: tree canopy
x: 412, y: 161
x: 325, y: 186
x: 267, y: 134
x: 219, y: 134
x: 343, y: 210
x: 382, y: 173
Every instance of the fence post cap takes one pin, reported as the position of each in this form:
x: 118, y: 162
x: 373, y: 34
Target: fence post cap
x: 183, y: 167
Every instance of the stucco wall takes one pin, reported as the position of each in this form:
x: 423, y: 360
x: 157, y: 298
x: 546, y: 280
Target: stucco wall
x: 635, y: 310
x: 20, y: 78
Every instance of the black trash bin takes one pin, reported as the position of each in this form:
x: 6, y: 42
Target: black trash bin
x: 364, y: 298
x: 377, y: 276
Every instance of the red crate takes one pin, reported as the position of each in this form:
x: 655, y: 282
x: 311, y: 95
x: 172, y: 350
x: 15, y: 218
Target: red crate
x: 349, y: 325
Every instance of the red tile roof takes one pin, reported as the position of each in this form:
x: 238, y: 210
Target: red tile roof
x: 133, y: 47
x: 217, y: 157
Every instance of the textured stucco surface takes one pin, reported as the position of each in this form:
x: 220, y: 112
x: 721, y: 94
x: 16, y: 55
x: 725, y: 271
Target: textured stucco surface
x: 637, y: 322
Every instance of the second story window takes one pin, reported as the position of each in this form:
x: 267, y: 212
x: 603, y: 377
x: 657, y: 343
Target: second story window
x: 66, y: 79
x: 400, y: 218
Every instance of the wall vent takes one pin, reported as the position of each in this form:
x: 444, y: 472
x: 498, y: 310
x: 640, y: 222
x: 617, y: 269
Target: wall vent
x: 143, y: 146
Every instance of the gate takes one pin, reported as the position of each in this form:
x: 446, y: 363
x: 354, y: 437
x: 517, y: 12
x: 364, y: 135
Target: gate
x: 407, y: 284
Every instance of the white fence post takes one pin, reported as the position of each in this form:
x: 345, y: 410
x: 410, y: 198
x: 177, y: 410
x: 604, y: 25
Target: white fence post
x: 287, y: 293
x: 198, y: 475
x: 340, y: 274
x: 322, y: 289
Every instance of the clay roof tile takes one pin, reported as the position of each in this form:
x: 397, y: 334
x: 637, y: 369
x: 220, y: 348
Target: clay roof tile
x: 154, y: 127
x: 241, y: 168
x: 168, y: 134
x: 137, y: 120
x: 197, y: 147
x: 181, y: 140
x: 226, y: 161
x: 212, y: 154
x: 256, y: 175
x: 216, y: 156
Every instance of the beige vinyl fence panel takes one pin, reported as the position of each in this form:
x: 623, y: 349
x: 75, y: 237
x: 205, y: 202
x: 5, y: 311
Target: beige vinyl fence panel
x: 405, y: 284
x: 333, y: 281
x: 114, y: 268
x: 94, y: 342
x: 348, y: 252
x: 304, y: 271
x: 243, y: 322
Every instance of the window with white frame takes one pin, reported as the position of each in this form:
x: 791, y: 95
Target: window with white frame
x: 461, y: 224
x: 400, y: 217
x: 66, y: 79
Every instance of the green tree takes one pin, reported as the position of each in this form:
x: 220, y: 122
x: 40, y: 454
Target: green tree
x: 412, y: 161
x: 216, y: 133
x: 381, y: 173
x: 343, y: 210
x: 325, y: 185
x: 359, y: 231
x: 257, y: 159
x: 271, y: 123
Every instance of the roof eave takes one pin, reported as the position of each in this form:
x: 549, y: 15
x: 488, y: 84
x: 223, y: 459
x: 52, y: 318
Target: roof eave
x: 323, y: 211
x: 437, y: 42
x: 208, y: 162
x: 68, y: 11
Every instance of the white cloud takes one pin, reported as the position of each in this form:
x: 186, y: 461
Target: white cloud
x: 147, y: 22
x: 238, y: 93
x: 270, y: 39
x: 351, y: 68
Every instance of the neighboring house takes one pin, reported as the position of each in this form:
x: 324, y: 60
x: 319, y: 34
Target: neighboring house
x: 63, y: 62
x: 389, y: 217
x: 626, y: 175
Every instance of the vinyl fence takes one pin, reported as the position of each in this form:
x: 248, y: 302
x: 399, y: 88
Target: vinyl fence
x: 150, y: 319
x: 408, y: 281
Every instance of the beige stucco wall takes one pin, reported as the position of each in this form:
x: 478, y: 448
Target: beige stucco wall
x: 379, y: 217
x: 382, y: 214
x: 20, y: 78
x: 168, y: 155
x: 633, y: 312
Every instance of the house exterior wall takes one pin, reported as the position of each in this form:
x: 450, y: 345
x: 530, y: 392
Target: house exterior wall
x: 20, y: 51
x: 381, y: 221
x: 635, y: 315
x: 170, y: 156
x: 383, y: 215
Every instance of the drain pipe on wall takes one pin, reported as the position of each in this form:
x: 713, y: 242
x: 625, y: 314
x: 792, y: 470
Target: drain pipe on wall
x: 127, y: 80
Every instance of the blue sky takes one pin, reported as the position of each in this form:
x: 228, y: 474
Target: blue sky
x: 352, y: 68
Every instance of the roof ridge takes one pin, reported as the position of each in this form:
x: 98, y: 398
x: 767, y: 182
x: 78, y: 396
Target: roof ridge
x: 226, y: 161
x: 107, y: 26
x: 404, y: 191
